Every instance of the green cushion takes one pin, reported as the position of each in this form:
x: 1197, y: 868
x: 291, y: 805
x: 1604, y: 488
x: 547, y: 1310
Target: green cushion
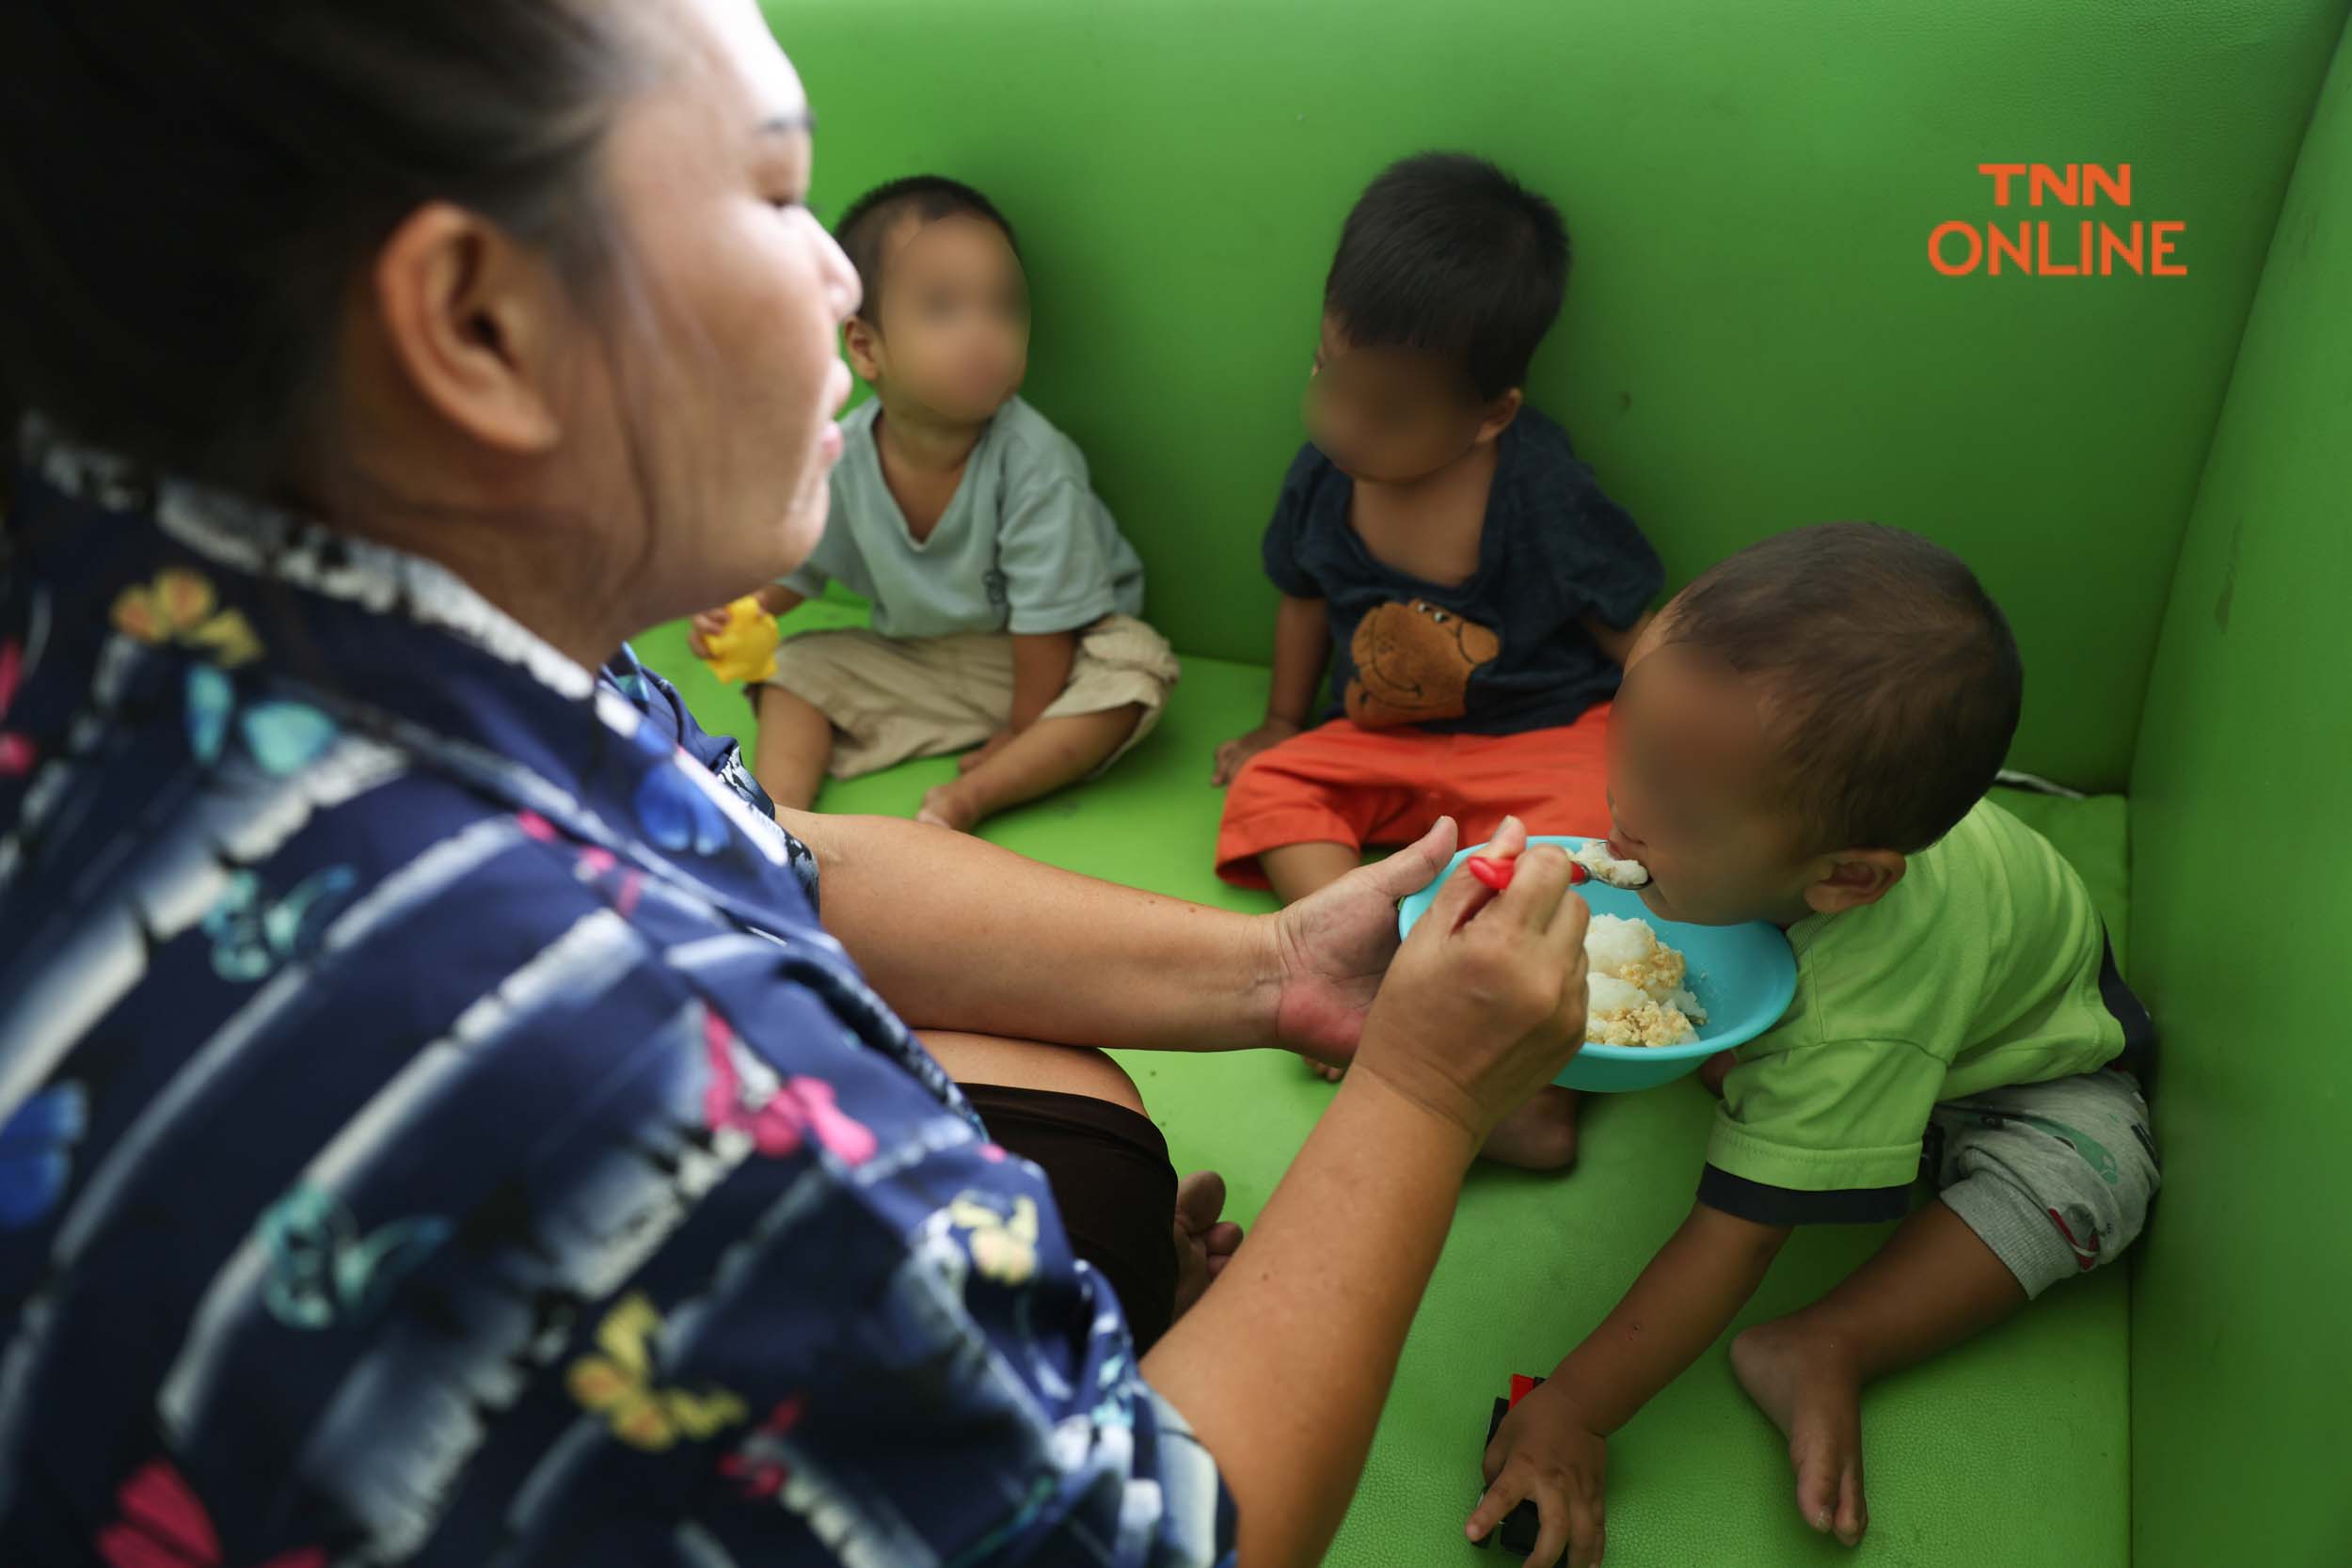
x: 2009, y: 1450
x: 1753, y: 337
x: 2239, y: 1424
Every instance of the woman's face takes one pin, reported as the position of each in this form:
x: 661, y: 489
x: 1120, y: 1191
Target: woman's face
x: 732, y: 379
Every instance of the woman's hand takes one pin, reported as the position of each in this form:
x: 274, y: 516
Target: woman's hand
x: 1335, y: 945
x: 1485, y: 1001
x: 1281, y: 1369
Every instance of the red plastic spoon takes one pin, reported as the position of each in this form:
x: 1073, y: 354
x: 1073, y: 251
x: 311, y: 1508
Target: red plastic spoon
x: 1496, y: 874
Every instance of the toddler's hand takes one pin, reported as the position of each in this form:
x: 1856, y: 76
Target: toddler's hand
x: 707, y: 625
x: 980, y: 753
x: 1545, y: 1452
x: 1239, y: 750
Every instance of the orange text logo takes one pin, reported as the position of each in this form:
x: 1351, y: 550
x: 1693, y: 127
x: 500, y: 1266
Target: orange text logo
x: 2062, y: 246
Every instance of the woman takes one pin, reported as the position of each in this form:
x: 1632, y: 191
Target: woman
x: 436, y: 1128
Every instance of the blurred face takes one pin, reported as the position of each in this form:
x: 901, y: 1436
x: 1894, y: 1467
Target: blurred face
x: 735, y: 385
x: 1390, y: 416
x: 952, y: 339
x: 1691, y: 796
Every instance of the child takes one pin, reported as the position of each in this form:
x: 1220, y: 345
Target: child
x: 1441, y: 545
x: 1005, y: 599
x: 1803, y: 736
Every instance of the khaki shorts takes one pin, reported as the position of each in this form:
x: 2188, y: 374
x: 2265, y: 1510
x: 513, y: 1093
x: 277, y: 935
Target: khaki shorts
x: 894, y: 698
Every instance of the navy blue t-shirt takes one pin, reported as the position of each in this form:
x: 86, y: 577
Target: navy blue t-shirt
x: 1507, y: 650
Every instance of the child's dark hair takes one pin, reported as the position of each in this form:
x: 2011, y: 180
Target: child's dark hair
x: 927, y: 198
x: 1895, y: 682
x: 1446, y: 252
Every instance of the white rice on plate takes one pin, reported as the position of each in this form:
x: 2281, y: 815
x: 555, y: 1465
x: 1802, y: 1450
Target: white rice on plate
x: 1633, y: 987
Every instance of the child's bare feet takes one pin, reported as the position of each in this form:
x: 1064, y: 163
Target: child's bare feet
x: 1204, y: 1241
x: 1809, y: 1388
x: 1539, y: 1135
x: 948, y: 806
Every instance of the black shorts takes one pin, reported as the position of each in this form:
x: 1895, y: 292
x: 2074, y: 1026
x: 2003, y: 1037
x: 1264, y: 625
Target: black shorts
x: 1112, y: 1180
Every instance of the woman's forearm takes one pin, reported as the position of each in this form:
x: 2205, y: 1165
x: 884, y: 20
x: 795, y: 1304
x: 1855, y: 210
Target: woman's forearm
x: 1283, y: 1367
x: 957, y: 934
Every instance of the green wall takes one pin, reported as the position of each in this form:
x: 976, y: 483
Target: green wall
x: 1753, y: 337
x: 2242, y: 907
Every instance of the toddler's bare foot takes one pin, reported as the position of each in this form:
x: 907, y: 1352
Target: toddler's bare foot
x: 1204, y: 1241
x: 1808, y: 1386
x: 1539, y: 1135
x: 947, y: 806
x: 1325, y: 1072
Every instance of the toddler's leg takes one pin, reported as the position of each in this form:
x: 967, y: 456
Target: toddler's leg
x: 2040, y: 1182
x: 1299, y: 869
x: 795, y: 744
x: 1539, y: 1135
x: 1040, y: 759
x: 1931, y: 1286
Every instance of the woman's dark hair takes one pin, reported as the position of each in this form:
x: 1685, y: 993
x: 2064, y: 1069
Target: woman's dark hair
x: 188, y: 190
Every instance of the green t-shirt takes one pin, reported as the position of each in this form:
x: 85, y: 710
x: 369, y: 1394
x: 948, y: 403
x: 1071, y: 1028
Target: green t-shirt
x: 1979, y: 968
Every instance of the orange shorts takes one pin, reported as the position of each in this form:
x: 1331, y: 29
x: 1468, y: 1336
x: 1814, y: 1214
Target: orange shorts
x: 1339, y: 783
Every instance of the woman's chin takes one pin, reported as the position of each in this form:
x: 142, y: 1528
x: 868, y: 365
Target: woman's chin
x: 803, y: 527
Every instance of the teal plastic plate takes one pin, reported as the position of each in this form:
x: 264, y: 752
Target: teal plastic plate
x: 1743, y: 975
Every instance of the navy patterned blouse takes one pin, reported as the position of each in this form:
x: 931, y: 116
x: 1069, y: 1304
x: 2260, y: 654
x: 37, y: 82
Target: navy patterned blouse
x: 434, y: 1128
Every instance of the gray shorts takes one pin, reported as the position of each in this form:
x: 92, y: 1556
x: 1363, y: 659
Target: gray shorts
x: 2055, y: 1176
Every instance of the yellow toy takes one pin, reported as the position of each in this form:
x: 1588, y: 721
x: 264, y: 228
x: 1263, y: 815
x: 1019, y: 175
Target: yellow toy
x: 746, y: 650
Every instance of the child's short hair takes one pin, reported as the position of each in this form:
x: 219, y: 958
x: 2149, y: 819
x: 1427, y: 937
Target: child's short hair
x: 1895, y: 682
x: 1446, y: 252
x: 925, y: 197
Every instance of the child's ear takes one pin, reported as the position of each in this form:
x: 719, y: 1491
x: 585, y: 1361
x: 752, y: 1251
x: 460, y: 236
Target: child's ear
x: 1852, y: 878
x: 1499, y: 414
x: 865, y: 346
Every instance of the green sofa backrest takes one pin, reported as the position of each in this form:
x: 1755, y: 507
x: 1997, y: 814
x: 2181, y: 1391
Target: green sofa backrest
x: 2241, y: 921
x: 1753, y: 336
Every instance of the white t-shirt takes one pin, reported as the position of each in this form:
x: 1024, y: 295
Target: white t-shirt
x: 1024, y: 545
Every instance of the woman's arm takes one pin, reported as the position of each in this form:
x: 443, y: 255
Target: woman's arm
x: 957, y: 934
x: 1283, y: 1367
